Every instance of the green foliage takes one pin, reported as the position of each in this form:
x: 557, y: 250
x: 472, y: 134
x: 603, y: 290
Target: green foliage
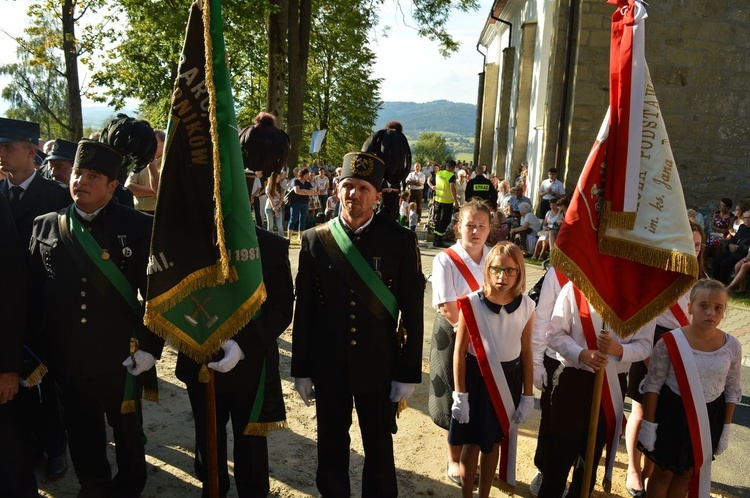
x: 341, y: 95
x: 431, y: 147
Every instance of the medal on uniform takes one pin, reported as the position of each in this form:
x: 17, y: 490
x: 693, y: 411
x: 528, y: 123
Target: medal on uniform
x: 376, y: 265
x: 105, y: 254
x: 126, y: 251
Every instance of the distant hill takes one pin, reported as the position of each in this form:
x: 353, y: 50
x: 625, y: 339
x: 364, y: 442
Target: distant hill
x: 95, y: 116
x: 437, y: 116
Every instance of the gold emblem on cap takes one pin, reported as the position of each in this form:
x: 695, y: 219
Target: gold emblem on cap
x: 363, y: 165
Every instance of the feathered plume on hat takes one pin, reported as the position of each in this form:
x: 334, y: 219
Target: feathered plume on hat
x: 264, y: 147
x: 390, y: 145
x: 134, y: 139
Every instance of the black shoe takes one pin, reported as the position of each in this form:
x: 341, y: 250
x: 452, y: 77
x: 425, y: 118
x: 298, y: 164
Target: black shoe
x: 636, y: 493
x: 56, y: 467
x: 437, y: 241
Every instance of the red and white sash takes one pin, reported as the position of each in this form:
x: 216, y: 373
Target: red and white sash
x: 463, y: 269
x: 679, y: 314
x: 497, y: 385
x: 694, y: 403
x: 613, y: 402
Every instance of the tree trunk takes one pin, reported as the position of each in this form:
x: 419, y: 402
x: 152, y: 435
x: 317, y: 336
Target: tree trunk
x: 278, y: 23
x: 300, y: 18
x: 75, y: 118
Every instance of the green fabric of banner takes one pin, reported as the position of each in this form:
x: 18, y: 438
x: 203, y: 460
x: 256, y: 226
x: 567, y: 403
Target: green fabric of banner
x: 363, y: 269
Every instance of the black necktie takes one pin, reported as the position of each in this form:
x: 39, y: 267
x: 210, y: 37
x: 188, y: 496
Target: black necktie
x: 15, y: 197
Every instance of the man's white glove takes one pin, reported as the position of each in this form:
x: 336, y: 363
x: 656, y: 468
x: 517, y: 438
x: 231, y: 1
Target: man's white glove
x: 460, y: 408
x: 647, y: 434
x: 304, y: 386
x: 400, y: 391
x: 232, y: 355
x: 723, y: 440
x: 525, y: 407
x: 143, y: 361
x: 540, y: 376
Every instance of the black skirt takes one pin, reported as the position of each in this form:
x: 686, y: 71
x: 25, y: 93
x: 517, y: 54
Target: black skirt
x: 483, y: 428
x: 673, y: 450
x: 639, y: 369
x: 441, y: 372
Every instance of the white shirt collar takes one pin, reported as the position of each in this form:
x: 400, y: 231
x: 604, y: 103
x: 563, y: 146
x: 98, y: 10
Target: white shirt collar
x: 24, y: 184
x: 360, y: 229
x: 88, y: 216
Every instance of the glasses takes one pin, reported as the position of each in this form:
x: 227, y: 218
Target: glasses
x: 498, y: 270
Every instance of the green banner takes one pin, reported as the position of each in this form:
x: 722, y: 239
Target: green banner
x: 205, y: 277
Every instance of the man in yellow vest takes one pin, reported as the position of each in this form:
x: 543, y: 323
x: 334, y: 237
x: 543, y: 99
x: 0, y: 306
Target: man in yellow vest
x: 446, y: 200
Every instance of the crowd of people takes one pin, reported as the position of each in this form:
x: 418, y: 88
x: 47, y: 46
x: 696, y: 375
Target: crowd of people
x: 79, y: 250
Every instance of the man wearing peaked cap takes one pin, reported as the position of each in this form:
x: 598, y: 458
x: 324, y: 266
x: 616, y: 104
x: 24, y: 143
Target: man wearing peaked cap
x: 60, y: 160
x: 366, y: 353
x: 88, y: 262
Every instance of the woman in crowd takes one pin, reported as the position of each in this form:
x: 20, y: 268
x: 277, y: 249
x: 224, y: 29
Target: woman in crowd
x: 456, y: 272
x: 694, y: 369
x: 461, y: 186
x: 529, y: 225
x: 493, y: 354
x: 551, y: 222
x: 741, y: 269
x: 503, y: 196
x: 302, y: 189
x: 274, y: 204
x: 721, y: 221
x: 675, y: 317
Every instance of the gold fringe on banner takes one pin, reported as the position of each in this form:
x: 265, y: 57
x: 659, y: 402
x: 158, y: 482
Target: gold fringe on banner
x: 36, y: 376
x: 151, y: 395
x: 204, y: 376
x: 264, y: 428
x: 127, y: 407
x: 621, y: 328
x: 401, y: 407
x: 651, y: 256
x: 200, y: 279
x: 619, y: 219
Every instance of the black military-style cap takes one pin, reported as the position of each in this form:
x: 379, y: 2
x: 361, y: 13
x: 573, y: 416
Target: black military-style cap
x: 98, y: 156
x: 16, y: 130
x: 40, y: 157
x: 364, y: 166
x: 63, y: 150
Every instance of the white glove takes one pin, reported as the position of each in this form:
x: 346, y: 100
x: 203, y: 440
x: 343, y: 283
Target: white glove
x: 647, y: 434
x: 525, y: 407
x: 540, y: 376
x: 724, y: 440
x: 400, y: 391
x: 143, y: 361
x: 460, y: 408
x: 304, y: 386
x: 232, y: 355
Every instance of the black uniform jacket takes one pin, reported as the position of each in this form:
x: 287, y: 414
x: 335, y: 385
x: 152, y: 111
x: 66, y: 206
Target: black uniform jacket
x: 258, y: 338
x: 41, y: 197
x: 12, y: 292
x: 482, y: 188
x: 82, y: 331
x: 336, y: 338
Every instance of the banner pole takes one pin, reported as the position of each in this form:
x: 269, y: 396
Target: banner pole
x: 211, y: 437
x: 596, y: 401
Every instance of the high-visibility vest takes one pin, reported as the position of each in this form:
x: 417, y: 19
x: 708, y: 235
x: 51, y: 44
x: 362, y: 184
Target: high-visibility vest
x: 443, y: 187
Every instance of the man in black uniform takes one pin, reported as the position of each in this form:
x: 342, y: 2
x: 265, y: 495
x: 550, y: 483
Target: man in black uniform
x: 480, y: 187
x: 16, y: 473
x: 355, y: 274
x: 88, y: 262
x: 31, y: 195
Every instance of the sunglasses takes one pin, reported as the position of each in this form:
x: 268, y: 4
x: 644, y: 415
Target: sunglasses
x: 497, y: 270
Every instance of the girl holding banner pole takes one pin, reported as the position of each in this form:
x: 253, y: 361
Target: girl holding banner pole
x: 493, y: 366
x: 690, y: 392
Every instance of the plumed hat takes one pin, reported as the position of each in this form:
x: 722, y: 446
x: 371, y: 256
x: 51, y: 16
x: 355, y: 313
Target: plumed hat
x: 390, y: 145
x: 264, y: 147
x: 134, y: 139
x: 98, y: 156
x: 364, y: 166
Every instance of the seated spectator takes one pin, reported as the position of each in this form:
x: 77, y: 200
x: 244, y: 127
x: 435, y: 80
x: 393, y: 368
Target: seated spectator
x: 721, y: 221
x: 741, y: 269
x: 528, y: 226
x: 737, y: 249
x: 551, y: 222
x: 503, y: 195
x: 499, y: 228
x: 740, y: 208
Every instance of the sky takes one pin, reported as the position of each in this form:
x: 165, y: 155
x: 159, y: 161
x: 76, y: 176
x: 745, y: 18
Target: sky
x: 411, y: 67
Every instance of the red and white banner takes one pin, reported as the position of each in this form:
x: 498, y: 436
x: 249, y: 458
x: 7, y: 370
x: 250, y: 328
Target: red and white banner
x: 497, y: 385
x: 691, y: 392
x: 626, y: 240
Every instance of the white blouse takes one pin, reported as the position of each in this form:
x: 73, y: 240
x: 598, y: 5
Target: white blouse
x: 447, y: 282
x: 718, y: 370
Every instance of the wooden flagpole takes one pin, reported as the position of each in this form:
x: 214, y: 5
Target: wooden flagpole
x: 211, y: 437
x: 596, y: 401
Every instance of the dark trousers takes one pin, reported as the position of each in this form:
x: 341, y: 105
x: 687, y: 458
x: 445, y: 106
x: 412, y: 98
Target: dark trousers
x: 416, y: 197
x: 376, y: 419
x: 443, y: 213
x: 250, y: 452
x: 723, y: 265
x: 16, y: 472
x: 571, y: 396
x: 545, y: 402
x: 86, y: 402
x: 543, y: 208
x: 43, y: 417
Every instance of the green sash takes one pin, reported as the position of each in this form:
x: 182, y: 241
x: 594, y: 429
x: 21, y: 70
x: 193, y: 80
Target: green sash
x: 358, y: 273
